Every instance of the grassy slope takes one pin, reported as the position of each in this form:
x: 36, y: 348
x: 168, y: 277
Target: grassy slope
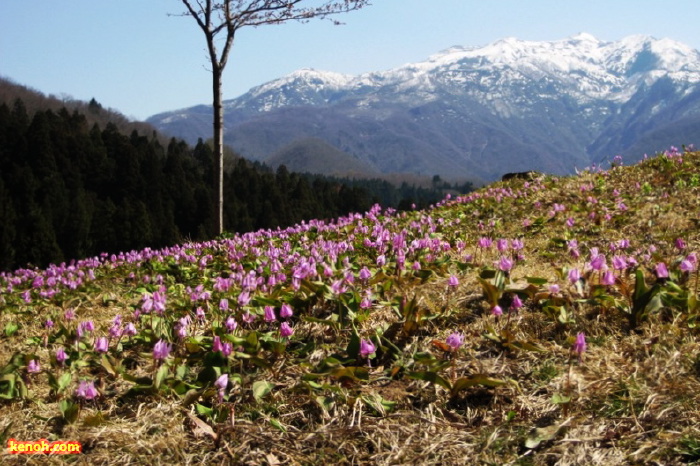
x: 632, y: 399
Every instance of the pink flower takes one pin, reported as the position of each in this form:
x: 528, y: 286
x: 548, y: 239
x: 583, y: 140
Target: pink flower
x: 130, y: 329
x: 61, y: 355
x: 505, y: 264
x: 216, y: 344
x: 516, y: 303
x: 366, y: 348
x: 496, y: 310
x: 484, y: 242
x: 161, y: 350
x: 101, y: 345
x: 619, y: 263
x: 579, y: 346
x: 365, y: 274
x: 286, y: 311
x: 553, y: 288
x: 608, y: 278
x: 453, y: 281
x: 574, y: 275
x: 221, y: 383
x: 661, y: 270
x: 686, y: 266
x: 33, y: 367
x: 223, y: 304
x: 285, y: 330
x: 269, y: 314
x: 597, y: 261
x: 244, y: 298
x: 455, y: 341
x: 231, y: 324
x: 680, y: 244
x: 86, y: 390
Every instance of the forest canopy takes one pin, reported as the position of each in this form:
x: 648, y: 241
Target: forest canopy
x: 71, y: 188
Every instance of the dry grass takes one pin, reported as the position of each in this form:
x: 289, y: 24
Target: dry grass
x: 634, y: 398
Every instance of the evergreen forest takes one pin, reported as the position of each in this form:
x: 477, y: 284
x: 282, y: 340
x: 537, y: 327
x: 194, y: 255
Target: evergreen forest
x: 73, y: 187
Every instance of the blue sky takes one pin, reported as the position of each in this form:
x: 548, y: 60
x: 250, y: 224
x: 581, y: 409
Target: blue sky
x: 132, y: 56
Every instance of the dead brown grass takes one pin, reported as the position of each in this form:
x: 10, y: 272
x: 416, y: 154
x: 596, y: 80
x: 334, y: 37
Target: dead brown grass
x: 635, y: 397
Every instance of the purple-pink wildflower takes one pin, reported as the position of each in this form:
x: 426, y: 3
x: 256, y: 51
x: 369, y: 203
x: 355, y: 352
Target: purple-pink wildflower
x: 269, y: 314
x: 285, y: 330
x: 574, y: 275
x: 33, y: 367
x: 286, y: 311
x: 221, y: 383
x: 453, y: 281
x: 505, y: 264
x: 516, y: 303
x: 366, y: 348
x: 86, y: 390
x: 579, y: 346
x: 455, y: 340
x: 231, y: 324
x: 661, y: 270
x: 61, y: 355
x: 608, y: 278
x: 161, y: 350
x: 101, y: 344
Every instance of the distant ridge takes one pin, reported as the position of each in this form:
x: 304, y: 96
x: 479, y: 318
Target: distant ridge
x: 313, y: 155
x: 512, y: 105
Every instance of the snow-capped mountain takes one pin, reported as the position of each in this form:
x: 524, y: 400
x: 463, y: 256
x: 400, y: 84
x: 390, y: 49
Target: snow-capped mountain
x: 477, y: 111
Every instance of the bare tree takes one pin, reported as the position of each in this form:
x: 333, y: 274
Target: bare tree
x: 220, y: 20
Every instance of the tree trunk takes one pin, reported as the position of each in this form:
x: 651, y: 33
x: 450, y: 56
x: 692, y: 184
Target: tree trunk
x: 218, y: 149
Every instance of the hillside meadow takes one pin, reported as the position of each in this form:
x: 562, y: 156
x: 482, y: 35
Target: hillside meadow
x: 534, y: 322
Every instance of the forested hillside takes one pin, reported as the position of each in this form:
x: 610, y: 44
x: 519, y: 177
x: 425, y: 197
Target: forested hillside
x: 73, y: 188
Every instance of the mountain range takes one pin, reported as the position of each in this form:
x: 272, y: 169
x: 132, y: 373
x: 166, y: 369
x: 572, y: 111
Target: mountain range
x: 470, y: 112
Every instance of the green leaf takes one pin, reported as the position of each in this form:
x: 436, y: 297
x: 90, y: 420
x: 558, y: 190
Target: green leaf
x: 278, y: 425
x: 5, y: 434
x: 326, y: 403
x: 491, y: 292
x: 64, y: 381
x: 380, y: 405
x: 528, y: 346
x: 191, y: 397
x: 108, y: 365
x: 430, y: 376
x: 474, y: 380
x: 69, y: 410
x: 11, y: 328
x: 160, y: 376
x: 539, y: 435
x: 350, y: 374
x: 203, y: 410
x: 353, y: 348
x: 261, y: 388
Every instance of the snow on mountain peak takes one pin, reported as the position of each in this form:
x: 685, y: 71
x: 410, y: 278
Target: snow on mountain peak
x: 583, y: 66
x: 583, y: 37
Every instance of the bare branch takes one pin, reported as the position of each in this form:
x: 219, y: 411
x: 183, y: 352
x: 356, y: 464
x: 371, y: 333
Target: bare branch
x: 215, y: 16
